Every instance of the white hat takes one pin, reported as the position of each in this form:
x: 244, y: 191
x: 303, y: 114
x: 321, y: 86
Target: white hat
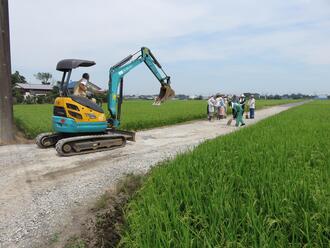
x: 242, y: 95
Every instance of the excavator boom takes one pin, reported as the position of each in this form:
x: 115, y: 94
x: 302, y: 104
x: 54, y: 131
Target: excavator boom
x: 119, y: 70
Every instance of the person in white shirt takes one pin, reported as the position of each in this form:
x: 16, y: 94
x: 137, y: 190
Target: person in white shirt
x: 80, y: 89
x: 252, y: 106
x: 211, y: 103
x: 225, y: 100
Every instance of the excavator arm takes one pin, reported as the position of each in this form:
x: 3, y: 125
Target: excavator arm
x: 116, y: 76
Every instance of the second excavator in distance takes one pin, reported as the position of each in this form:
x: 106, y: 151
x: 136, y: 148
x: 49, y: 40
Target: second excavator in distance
x: 80, y: 125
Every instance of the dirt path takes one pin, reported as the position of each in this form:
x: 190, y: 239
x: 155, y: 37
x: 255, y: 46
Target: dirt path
x: 41, y: 192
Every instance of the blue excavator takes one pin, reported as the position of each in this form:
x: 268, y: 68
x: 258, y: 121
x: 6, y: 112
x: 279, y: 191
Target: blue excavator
x: 80, y: 125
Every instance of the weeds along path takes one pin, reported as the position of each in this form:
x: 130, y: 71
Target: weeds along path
x: 43, y: 194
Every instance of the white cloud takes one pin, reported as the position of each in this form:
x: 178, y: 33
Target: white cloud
x: 42, y: 32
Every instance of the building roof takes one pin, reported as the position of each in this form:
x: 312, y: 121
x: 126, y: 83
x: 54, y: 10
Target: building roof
x: 35, y: 86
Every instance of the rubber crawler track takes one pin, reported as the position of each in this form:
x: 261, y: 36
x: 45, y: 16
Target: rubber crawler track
x: 92, y: 139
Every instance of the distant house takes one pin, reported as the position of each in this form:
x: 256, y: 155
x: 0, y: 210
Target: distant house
x: 321, y: 97
x: 181, y: 97
x: 248, y: 95
x: 127, y: 97
x: 34, y: 89
x: 147, y: 97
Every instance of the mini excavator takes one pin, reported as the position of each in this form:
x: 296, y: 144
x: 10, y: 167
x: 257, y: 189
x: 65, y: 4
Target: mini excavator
x: 80, y: 125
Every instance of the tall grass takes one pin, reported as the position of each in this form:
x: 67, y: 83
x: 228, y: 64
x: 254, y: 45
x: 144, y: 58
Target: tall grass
x: 136, y: 115
x: 263, y: 186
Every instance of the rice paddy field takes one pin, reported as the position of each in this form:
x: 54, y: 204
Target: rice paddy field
x: 263, y: 186
x: 136, y: 115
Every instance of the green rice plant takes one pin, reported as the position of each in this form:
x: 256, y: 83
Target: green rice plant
x: 264, y: 186
x: 33, y: 119
x: 136, y: 115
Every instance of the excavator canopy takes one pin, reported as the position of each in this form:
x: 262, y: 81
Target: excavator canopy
x: 69, y: 64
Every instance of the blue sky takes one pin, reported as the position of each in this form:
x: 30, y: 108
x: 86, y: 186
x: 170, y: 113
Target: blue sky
x: 205, y: 46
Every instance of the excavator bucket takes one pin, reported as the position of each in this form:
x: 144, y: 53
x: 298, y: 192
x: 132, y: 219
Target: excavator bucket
x: 166, y: 93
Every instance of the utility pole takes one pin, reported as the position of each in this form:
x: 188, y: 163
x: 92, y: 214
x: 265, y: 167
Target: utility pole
x: 6, y: 101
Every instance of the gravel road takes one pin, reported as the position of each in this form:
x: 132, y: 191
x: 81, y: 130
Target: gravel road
x: 42, y: 193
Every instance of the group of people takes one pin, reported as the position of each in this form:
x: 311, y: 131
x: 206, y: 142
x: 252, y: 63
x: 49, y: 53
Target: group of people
x: 217, y: 106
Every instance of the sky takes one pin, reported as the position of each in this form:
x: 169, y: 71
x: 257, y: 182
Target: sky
x: 264, y: 46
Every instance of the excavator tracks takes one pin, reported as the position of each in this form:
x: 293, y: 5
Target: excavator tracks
x: 46, y: 140
x: 89, y: 143
x: 68, y: 145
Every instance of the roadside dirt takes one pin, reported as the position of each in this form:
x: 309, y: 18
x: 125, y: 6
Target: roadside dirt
x: 44, y: 195
x: 104, y: 223
x: 21, y: 139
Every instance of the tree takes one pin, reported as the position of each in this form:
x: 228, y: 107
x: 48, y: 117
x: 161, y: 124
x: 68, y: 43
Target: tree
x: 6, y: 101
x: 30, y: 99
x: 55, y: 91
x: 17, y: 78
x: 53, y: 94
x: 17, y: 96
x: 44, y: 77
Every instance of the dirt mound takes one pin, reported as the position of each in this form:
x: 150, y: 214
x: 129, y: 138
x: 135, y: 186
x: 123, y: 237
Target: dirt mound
x: 21, y: 139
